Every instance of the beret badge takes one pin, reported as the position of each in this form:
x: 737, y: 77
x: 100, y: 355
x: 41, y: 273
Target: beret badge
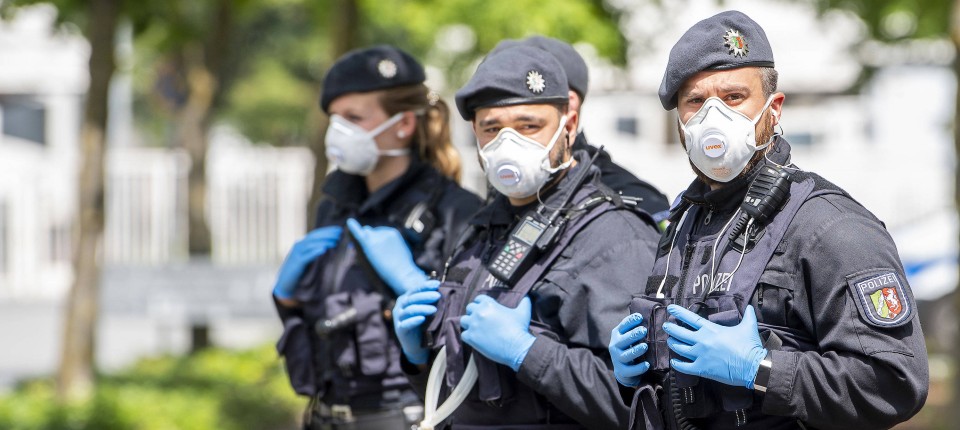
x: 736, y: 43
x: 387, y: 68
x: 535, y: 82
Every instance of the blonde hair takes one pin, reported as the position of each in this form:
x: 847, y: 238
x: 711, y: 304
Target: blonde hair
x: 432, y: 136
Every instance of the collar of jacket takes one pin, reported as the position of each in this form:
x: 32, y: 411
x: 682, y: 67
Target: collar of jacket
x: 351, y: 190
x: 729, y: 197
x: 500, y: 212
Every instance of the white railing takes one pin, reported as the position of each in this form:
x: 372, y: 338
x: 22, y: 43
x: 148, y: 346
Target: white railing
x: 257, y: 197
x: 145, y: 208
x: 36, y: 215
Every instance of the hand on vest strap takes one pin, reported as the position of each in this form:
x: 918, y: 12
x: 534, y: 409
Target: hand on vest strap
x: 499, y: 333
x: 730, y: 355
x: 389, y: 255
x: 311, y: 247
x: 626, y: 347
x: 409, y: 313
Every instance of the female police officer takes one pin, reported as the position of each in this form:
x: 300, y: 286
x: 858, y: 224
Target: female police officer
x: 390, y: 140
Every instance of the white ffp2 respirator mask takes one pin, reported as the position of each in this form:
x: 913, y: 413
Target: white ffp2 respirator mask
x: 721, y: 140
x: 354, y: 149
x: 518, y: 166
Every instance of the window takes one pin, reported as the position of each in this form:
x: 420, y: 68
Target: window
x: 801, y: 138
x: 24, y: 118
x: 628, y: 125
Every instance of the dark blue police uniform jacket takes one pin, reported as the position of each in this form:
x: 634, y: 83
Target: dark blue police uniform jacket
x: 849, y: 355
x: 566, y: 379
x: 359, y: 364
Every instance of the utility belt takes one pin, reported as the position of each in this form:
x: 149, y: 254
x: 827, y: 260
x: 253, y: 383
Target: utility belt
x: 517, y: 427
x: 321, y: 416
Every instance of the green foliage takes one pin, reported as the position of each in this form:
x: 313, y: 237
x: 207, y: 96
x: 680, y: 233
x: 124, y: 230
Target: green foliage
x: 931, y: 18
x: 284, y: 64
x: 215, y: 389
x: 414, y: 25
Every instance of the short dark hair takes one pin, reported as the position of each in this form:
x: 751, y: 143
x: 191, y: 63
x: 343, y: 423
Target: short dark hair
x: 768, y: 80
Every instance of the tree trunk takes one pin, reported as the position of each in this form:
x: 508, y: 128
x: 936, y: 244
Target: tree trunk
x: 203, y: 62
x: 954, y: 405
x: 192, y: 123
x: 76, y: 374
x: 344, y: 22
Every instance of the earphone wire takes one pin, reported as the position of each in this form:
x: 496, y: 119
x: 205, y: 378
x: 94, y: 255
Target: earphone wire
x: 743, y: 252
x: 673, y: 242
x: 766, y: 154
x: 713, y: 254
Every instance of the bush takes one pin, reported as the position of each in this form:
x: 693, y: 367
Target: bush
x: 214, y: 389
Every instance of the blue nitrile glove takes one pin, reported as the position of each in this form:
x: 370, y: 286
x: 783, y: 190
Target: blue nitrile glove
x: 409, y: 313
x: 499, y: 333
x: 730, y: 355
x: 626, y: 346
x: 311, y: 247
x: 389, y: 255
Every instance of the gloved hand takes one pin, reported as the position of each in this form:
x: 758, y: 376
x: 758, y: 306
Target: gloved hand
x: 301, y: 255
x: 409, y: 313
x: 389, y: 255
x: 730, y: 355
x: 499, y: 333
x: 626, y: 346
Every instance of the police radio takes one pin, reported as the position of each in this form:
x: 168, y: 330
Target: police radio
x: 766, y: 195
x: 534, y: 234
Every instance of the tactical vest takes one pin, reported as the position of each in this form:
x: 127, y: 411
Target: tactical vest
x: 468, y: 276
x: 687, y: 273
x: 340, y: 345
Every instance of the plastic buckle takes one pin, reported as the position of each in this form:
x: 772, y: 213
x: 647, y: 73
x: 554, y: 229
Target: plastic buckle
x: 341, y: 413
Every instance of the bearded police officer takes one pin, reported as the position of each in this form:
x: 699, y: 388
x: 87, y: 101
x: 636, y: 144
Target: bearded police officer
x: 524, y: 305
x: 612, y: 174
x: 776, y: 300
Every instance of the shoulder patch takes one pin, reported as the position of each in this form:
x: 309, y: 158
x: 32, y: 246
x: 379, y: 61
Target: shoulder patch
x: 881, y: 298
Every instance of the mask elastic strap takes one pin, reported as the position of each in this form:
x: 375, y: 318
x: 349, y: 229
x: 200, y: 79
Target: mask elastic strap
x: 394, y: 152
x: 380, y: 129
x: 553, y: 141
x: 757, y: 119
x: 386, y: 124
x: 765, y: 106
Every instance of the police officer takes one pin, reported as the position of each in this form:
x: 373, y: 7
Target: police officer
x: 389, y: 138
x: 776, y: 300
x: 531, y: 318
x: 612, y: 175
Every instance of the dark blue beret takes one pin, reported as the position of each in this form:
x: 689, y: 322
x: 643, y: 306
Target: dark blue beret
x: 370, y: 69
x: 515, y: 75
x: 578, y: 76
x: 727, y: 40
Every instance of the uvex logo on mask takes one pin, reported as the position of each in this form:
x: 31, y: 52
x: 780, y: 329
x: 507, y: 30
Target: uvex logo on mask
x: 714, y: 147
x: 508, y: 175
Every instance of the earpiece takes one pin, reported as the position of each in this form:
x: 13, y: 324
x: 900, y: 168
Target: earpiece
x: 401, y: 134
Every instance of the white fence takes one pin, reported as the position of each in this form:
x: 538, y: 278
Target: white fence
x: 257, y: 197
x: 36, y: 216
x: 145, y: 206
